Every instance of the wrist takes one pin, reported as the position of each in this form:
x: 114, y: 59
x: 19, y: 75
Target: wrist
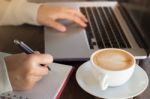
x: 41, y: 13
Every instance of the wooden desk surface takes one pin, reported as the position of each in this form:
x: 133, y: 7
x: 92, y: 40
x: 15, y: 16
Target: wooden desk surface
x: 34, y: 37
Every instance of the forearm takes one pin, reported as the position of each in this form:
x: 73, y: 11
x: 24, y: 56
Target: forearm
x: 4, y: 79
x: 16, y: 12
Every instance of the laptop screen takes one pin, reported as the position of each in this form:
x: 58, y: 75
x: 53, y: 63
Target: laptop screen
x: 139, y: 12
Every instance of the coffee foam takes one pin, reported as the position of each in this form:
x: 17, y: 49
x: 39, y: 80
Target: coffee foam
x: 113, y: 60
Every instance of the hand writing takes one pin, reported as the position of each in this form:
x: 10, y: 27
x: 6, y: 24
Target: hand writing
x: 25, y: 70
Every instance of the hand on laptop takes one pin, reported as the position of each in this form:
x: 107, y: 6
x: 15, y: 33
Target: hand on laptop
x: 48, y: 16
x: 25, y: 70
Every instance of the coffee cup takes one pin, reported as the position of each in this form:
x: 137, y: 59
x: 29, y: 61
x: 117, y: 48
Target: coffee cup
x: 112, y: 67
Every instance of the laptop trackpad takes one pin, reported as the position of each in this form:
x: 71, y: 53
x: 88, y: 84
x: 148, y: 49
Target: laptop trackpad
x: 73, y: 42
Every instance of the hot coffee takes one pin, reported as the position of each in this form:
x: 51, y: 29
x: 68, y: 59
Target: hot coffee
x: 113, y: 60
x: 112, y: 67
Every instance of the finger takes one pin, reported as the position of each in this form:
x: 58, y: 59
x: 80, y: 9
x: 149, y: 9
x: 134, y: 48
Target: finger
x: 77, y: 13
x: 40, y: 71
x: 42, y: 58
x: 37, y: 78
x: 55, y: 25
x: 31, y: 80
x: 36, y: 52
x: 36, y: 61
x: 73, y: 18
x: 20, y: 54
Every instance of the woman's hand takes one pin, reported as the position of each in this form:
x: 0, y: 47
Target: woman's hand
x: 48, y: 15
x: 25, y: 70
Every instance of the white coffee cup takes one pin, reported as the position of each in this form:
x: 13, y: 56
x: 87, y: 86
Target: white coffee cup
x: 112, y: 67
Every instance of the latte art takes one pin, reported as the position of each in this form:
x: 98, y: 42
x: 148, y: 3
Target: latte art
x: 112, y: 67
x: 113, y: 60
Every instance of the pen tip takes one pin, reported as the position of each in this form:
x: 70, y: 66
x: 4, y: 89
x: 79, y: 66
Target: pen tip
x: 16, y: 42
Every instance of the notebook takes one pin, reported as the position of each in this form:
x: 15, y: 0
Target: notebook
x: 50, y: 87
x: 108, y: 27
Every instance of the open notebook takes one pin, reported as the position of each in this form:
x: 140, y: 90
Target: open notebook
x: 49, y: 87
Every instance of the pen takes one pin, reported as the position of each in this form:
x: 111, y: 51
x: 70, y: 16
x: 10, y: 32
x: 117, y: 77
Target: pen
x: 27, y: 49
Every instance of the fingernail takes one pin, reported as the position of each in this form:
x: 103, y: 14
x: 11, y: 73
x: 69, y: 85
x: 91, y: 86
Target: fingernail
x: 63, y: 29
x: 86, y: 20
x: 84, y: 25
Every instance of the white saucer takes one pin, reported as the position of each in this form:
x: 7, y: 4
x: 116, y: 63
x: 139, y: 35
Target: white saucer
x: 135, y: 86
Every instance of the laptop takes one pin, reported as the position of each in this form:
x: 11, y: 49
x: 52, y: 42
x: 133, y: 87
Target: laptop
x: 111, y: 24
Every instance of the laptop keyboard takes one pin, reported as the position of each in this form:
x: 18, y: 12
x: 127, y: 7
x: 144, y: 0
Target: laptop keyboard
x: 103, y: 29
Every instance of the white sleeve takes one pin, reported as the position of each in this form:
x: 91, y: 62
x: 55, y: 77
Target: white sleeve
x: 16, y: 12
x: 5, y: 84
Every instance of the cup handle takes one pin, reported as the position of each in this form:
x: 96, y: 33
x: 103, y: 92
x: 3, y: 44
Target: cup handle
x: 103, y: 81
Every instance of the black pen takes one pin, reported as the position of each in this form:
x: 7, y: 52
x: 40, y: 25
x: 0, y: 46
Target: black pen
x: 26, y: 49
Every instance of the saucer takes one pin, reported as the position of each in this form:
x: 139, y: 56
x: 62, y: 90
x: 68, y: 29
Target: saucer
x: 135, y: 86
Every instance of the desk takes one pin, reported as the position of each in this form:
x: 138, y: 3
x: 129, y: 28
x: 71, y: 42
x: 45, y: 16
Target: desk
x: 34, y: 37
